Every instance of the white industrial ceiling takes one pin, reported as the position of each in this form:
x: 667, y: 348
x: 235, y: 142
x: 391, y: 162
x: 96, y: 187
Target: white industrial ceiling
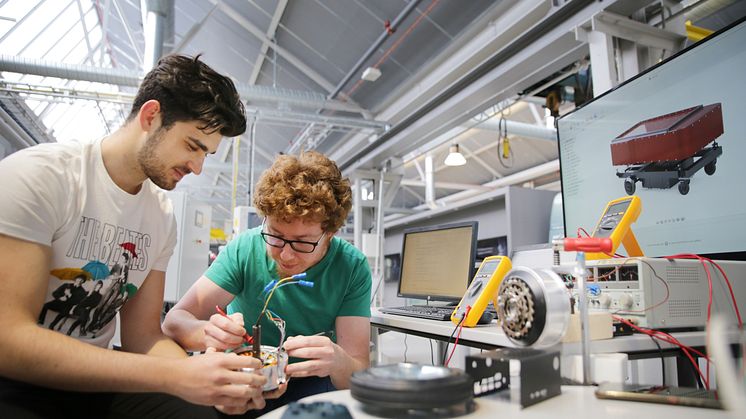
x: 451, y: 70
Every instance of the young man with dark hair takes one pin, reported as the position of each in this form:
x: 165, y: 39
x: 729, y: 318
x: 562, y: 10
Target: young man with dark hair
x: 305, y: 201
x: 75, y: 209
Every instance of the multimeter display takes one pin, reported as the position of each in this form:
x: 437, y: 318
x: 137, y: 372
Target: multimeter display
x: 487, y: 269
x: 484, y: 273
x: 615, y: 223
x: 483, y: 288
x: 611, y: 219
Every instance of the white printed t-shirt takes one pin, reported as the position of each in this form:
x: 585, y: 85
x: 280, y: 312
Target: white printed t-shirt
x: 104, y: 240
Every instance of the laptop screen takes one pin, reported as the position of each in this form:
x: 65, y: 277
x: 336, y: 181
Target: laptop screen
x: 438, y: 261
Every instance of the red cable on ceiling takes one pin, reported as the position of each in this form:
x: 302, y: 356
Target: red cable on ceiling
x: 396, y: 43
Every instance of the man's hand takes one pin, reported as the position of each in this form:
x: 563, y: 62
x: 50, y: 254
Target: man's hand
x: 254, y: 403
x: 276, y: 393
x: 322, y: 354
x: 223, y: 332
x: 216, y: 379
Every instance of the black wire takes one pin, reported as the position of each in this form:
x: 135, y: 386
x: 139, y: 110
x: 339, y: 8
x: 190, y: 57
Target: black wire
x: 445, y: 352
x: 696, y: 373
x: 663, y: 362
x: 432, y: 355
x: 406, y: 348
x: 663, y: 367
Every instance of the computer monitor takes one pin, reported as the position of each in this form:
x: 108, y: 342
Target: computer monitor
x: 675, y: 136
x: 438, y: 261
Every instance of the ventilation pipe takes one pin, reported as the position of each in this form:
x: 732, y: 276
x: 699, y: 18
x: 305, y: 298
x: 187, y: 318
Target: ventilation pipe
x: 131, y: 78
x: 520, y: 129
x: 22, y: 65
x: 154, y: 23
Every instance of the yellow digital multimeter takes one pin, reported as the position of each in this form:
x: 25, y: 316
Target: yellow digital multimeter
x: 615, y: 223
x: 482, y: 289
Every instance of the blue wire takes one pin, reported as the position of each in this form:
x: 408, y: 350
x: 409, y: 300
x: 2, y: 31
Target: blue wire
x: 269, y: 287
x: 287, y: 283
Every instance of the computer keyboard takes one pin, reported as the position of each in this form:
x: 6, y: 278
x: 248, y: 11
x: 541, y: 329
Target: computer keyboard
x: 421, y: 311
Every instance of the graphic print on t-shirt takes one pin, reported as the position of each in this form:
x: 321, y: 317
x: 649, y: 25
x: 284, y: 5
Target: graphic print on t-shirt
x: 89, y: 296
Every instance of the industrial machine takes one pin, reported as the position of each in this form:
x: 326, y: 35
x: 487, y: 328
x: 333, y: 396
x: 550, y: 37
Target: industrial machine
x: 664, y: 293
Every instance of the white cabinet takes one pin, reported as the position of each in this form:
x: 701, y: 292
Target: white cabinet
x: 189, y: 261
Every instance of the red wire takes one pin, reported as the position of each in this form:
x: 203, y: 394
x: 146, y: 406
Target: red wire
x: 668, y: 294
x: 665, y: 337
x: 725, y: 277
x: 395, y: 45
x: 458, y: 335
x: 709, y: 278
x: 455, y: 343
x: 730, y: 289
x: 702, y: 260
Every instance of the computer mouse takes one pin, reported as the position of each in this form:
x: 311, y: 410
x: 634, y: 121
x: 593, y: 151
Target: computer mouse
x: 486, y: 317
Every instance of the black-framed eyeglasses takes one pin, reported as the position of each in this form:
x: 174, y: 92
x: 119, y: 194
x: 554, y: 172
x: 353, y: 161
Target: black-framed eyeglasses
x: 300, y: 246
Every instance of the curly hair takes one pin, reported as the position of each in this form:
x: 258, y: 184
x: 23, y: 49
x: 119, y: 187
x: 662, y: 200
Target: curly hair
x: 189, y: 90
x: 308, y: 187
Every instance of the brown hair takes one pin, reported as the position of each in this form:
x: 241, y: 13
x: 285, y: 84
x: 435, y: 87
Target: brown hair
x: 189, y: 90
x: 308, y: 187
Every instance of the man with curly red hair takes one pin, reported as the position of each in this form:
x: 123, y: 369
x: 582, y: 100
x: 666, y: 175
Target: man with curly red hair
x: 304, y: 201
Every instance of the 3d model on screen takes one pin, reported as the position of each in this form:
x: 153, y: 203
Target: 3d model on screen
x: 669, y: 149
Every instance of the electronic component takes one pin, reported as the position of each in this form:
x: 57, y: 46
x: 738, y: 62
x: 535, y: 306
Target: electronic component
x: 483, y: 288
x: 615, y: 223
x: 531, y: 375
x: 274, y: 361
x: 533, y: 306
x: 665, y: 293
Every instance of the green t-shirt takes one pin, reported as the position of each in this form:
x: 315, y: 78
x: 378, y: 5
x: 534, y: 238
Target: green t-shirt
x: 342, y: 283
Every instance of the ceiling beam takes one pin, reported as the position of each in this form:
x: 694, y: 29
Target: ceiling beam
x: 126, y: 27
x: 533, y: 41
x: 469, y: 154
x: 267, y: 114
x: 43, y: 30
x: 192, y: 32
x: 446, y: 185
x: 279, y: 10
x: 104, y: 22
x: 290, y: 57
x: 468, y: 198
x: 23, y: 19
x: 85, y: 29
